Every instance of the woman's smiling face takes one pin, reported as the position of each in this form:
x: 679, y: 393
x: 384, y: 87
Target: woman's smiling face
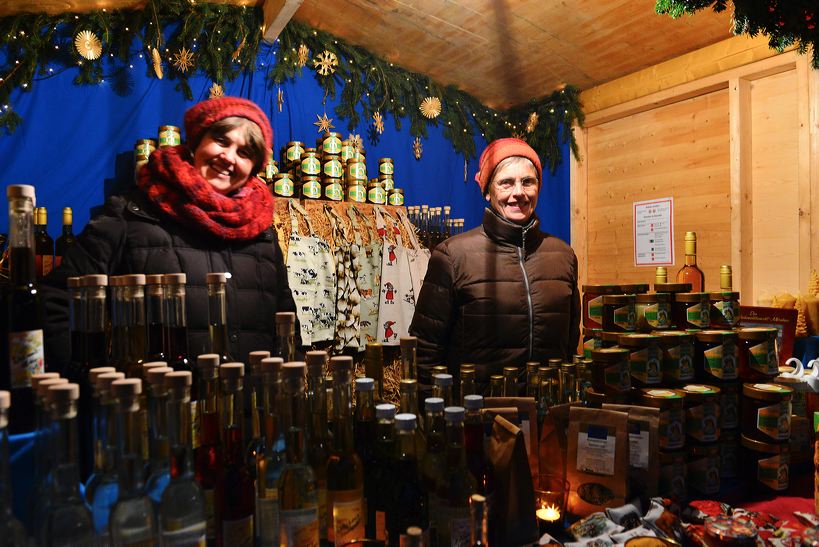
x: 225, y: 161
x: 514, y: 189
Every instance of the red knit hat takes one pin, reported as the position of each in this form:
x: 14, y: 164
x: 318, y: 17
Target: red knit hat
x: 201, y: 115
x: 497, y: 151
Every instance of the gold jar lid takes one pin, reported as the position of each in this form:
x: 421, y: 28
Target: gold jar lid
x: 374, y: 184
x: 767, y: 392
x: 385, y: 160
x: 723, y: 296
x: 145, y: 142
x: 637, y: 340
x: 279, y: 176
x: 607, y: 336
x: 719, y: 336
x: 168, y: 128
x: 652, y: 298
x: 634, y: 288
x: 672, y: 287
x: 310, y: 152
x: 295, y: 143
x: 618, y: 299
x: 332, y: 134
x: 309, y: 178
x: 610, y: 355
x: 661, y: 398
x: 768, y: 448
x: 697, y: 392
x: 397, y: 191
x: 756, y: 333
x: 601, y: 289
x: 689, y: 297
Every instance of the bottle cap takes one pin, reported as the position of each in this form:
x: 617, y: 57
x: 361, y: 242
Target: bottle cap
x: 207, y: 360
x: 133, y: 280
x: 271, y: 365
x: 473, y: 402
x: 690, y: 236
x: 364, y: 384
x: 408, y: 342
x: 94, y: 280
x: 216, y: 277
x: 405, y: 421
x: 62, y: 399
x: 115, y: 281
x: 385, y: 411
x: 434, y: 404
x: 283, y: 317
x: 177, y: 379
x: 232, y: 371
x: 153, y: 279
x: 254, y: 359
x: 42, y: 387
x: 442, y: 380
x: 93, y: 373
x: 454, y: 413
x: 174, y: 279
x: 126, y: 387
x: 294, y: 370
x: 341, y: 363
x: 317, y: 359
x: 415, y: 532
x: 156, y: 376
x: 37, y: 378
x: 73, y: 282
x: 105, y: 380
x: 407, y: 385
x: 5, y: 400
x: 20, y: 191
x: 152, y: 364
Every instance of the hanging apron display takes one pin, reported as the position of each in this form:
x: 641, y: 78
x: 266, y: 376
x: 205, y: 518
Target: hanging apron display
x: 417, y: 255
x: 347, y: 298
x: 312, y: 278
x: 397, y: 300
x: 368, y: 280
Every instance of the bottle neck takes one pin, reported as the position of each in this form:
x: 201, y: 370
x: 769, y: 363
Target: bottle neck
x: 342, y: 416
x: 207, y: 408
x: 158, y: 420
x: 364, y: 406
x: 272, y: 409
x: 317, y: 401
x: 293, y: 421
x: 405, y: 445
x: 409, y: 402
x: 479, y: 535
x: 408, y: 361
x: 106, y: 440
x: 65, y: 474
x: 179, y: 437
x: 455, y: 453
x: 444, y: 392
x: 690, y: 259
x: 286, y: 345
x: 68, y: 230
x: 217, y: 318
x: 130, y: 451
x: 435, y: 430
x: 232, y: 411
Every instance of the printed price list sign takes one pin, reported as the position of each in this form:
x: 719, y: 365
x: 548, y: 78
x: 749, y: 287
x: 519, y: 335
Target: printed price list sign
x: 654, y: 232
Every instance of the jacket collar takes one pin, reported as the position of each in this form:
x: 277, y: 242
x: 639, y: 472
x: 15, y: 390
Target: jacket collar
x: 509, y: 233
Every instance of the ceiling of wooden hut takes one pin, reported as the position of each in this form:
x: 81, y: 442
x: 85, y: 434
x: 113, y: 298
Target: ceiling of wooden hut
x: 503, y: 52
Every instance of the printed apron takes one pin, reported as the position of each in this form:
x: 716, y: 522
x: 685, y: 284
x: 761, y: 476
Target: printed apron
x: 312, y: 277
x: 368, y: 280
x: 417, y: 255
x: 397, y: 303
x: 348, y: 310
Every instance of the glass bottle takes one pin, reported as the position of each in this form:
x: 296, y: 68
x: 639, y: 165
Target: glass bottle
x: 66, y: 238
x: 549, y: 395
x: 234, y: 488
x: 446, y: 223
x: 478, y: 535
x: 68, y: 521
x: 286, y: 335
x: 176, y: 321
x: 568, y: 383
x: 423, y: 233
x: 158, y: 468
x: 96, y: 322
x: 374, y: 368
x: 217, y: 316
x: 43, y: 244
x: 432, y: 464
x: 319, y: 439
x: 661, y: 275
x: 475, y: 444
x: 182, y: 520
x: 205, y: 437
x: 132, y: 516
x: 345, y: 472
x: 364, y: 425
x: 90, y: 423
x: 380, y: 477
x: 468, y: 386
x: 409, y: 348
x: 271, y: 460
x: 510, y: 381
x: 413, y: 538
x: 76, y: 324
x: 690, y: 272
x: 450, y: 503
x: 155, y: 319
x: 298, y: 502
x: 531, y: 379
x: 133, y: 309
x: 254, y: 413
x: 118, y: 329
x: 408, y: 389
x: 442, y: 387
x: 11, y: 529
x: 496, y: 385
x: 25, y: 320
x: 408, y: 504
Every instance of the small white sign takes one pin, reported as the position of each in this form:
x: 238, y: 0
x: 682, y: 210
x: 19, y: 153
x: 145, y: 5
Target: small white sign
x: 654, y: 232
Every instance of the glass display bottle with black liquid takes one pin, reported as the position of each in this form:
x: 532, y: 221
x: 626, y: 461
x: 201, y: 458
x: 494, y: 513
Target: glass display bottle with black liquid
x: 11, y: 528
x: 319, y: 439
x: 76, y: 324
x: 409, y: 502
x: 432, y: 463
x: 118, y: 331
x: 478, y: 530
x: 176, y: 322
x: 25, y: 320
x: 217, y: 316
x: 66, y: 238
x: 475, y: 444
x: 133, y: 309
x: 205, y: 437
x: 43, y: 244
x: 155, y: 319
x: 690, y: 272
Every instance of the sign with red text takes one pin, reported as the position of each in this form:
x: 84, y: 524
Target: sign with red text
x: 654, y: 232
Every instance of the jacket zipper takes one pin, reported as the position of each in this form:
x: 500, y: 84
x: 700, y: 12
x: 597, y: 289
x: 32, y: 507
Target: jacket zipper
x: 528, y: 292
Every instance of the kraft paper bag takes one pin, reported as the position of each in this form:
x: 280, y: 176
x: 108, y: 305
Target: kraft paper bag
x: 644, y: 450
x: 527, y: 421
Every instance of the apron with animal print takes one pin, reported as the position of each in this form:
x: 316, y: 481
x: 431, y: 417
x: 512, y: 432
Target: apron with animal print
x: 369, y: 275
x: 417, y: 255
x: 312, y: 277
x: 397, y: 304
x: 348, y: 311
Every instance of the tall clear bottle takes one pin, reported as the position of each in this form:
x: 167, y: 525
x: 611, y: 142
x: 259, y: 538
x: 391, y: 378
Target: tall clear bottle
x: 409, y: 502
x: 364, y: 425
x: 319, y: 439
x: 68, y: 521
x: 155, y: 318
x: 235, y: 499
x: 345, y: 472
x: 206, y: 438
x: 182, y: 521
x: 133, y: 309
x: 468, y: 386
x: 132, y: 519
x: 270, y: 456
x: 118, y: 328
x: 286, y: 335
x: 217, y: 316
x: 96, y: 322
x: 66, y: 238
x: 409, y: 358
x: 432, y: 463
x: 254, y: 413
x: 442, y: 387
x: 298, y: 500
x: 92, y: 423
x: 690, y: 272
x: 379, y: 479
x: 158, y: 468
x: 510, y: 381
x: 11, y: 529
x: 25, y: 319
x: 76, y: 325
x: 176, y: 322
x: 38, y: 495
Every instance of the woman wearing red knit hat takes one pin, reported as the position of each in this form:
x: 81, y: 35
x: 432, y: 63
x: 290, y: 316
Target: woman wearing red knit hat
x: 504, y: 293
x: 197, y: 208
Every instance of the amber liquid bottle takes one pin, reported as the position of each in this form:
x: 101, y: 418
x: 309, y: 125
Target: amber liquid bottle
x: 690, y: 272
x: 205, y: 437
x: 176, y: 322
x: 217, y: 316
x: 66, y: 239
x: 155, y: 319
x: 43, y: 244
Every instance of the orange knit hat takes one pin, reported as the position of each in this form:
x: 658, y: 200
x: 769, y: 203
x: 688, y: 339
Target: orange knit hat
x: 497, y: 151
x: 201, y: 115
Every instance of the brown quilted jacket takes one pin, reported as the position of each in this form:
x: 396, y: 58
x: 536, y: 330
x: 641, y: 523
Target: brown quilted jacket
x: 498, y: 295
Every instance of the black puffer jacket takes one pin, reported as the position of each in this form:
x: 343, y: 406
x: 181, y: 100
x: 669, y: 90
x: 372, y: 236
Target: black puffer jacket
x: 131, y: 236
x: 498, y: 295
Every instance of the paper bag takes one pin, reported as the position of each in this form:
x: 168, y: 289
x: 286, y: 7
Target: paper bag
x: 644, y: 450
x: 527, y: 421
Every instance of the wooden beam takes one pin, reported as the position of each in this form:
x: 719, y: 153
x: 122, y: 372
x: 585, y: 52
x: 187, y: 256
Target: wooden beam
x: 803, y: 71
x: 277, y: 13
x: 579, y: 204
x: 812, y: 152
x: 740, y: 169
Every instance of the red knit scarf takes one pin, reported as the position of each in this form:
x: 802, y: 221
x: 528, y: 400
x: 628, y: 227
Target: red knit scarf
x: 174, y: 185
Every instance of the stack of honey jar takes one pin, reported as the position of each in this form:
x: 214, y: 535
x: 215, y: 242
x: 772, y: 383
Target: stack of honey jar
x: 725, y: 410
x: 167, y: 135
x: 335, y: 170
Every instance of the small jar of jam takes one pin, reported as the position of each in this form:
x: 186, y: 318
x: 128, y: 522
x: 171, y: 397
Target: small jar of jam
x: 356, y: 192
x: 728, y: 404
x: 283, y: 185
x: 387, y: 181
x: 311, y: 187
x: 593, y: 304
x: 396, y: 197
x: 724, y: 309
x: 331, y: 167
x: 619, y: 314
x: 331, y: 143
x: 310, y: 164
x: 702, y: 413
x: 678, y: 356
x: 653, y: 311
x: 333, y: 190
x: 673, y: 475
x: 169, y: 135
x: 729, y: 454
x: 766, y: 412
x: 672, y: 417
x: 376, y: 193
x: 758, y: 360
x: 357, y: 170
x: 609, y: 339
x: 386, y: 166
x: 715, y: 355
x: 691, y: 310
x: 610, y: 374
x: 765, y: 465
x: 347, y: 150
x: 634, y: 288
x: 591, y: 341
x: 703, y: 469
x: 645, y: 358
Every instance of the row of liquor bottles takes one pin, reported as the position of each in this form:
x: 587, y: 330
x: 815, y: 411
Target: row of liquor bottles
x: 434, y: 224
x: 48, y: 253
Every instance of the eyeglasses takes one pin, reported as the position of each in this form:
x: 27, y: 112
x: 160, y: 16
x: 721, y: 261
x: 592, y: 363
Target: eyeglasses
x: 528, y: 183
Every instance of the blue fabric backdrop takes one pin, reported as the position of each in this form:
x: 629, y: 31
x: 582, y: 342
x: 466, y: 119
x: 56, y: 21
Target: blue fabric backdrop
x: 75, y: 143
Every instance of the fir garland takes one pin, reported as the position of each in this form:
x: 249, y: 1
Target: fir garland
x: 225, y: 41
x: 785, y: 22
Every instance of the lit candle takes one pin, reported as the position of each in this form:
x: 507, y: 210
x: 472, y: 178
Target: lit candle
x: 548, y: 513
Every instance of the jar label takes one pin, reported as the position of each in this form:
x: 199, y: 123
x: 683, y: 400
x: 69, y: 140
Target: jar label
x: 645, y: 365
x: 311, y: 189
x: 762, y: 358
x: 26, y: 356
x: 729, y: 409
x: 721, y: 361
x: 775, y: 420
x: 702, y: 422
x: 389, y: 184
x: 595, y: 313
x: 729, y: 309
x: 357, y: 193
x: 376, y: 195
x: 703, y: 474
x: 270, y: 170
x: 625, y: 317
x: 656, y: 315
x: 357, y: 170
x: 728, y: 459
x: 294, y: 152
x: 331, y: 145
x: 300, y: 527
x: 774, y: 472
x: 144, y: 149
x: 672, y: 435
x: 617, y: 377
x: 672, y: 479
x: 386, y: 168
x: 590, y: 345
x: 347, y: 152
x: 238, y: 532
x: 310, y: 166
x: 283, y: 187
x: 679, y: 366
x: 169, y: 137
x: 396, y: 199
x: 333, y: 192
x: 332, y: 168
x: 698, y: 315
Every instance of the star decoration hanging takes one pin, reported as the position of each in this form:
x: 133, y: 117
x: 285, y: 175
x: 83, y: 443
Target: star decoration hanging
x: 356, y: 141
x: 280, y: 99
x: 325, y: 63
x: 417, y: 148
x: 157, y: 61
x: 88, y: 45
x: 430, y: 107
x: 324, y: 123
x: 531, y: 123
x: 518, y: 135
x: 303, y: 55
x: 183, y: 59
x: 378, y: 122
x: 216, y: 91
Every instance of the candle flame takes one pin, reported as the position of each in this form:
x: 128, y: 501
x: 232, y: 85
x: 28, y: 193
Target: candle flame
x: 549, y: 513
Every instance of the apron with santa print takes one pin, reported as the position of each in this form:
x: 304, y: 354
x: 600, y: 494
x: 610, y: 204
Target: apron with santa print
x: 348, y: 322
x: 369, y: 275
x: 397, y: 300
x: 417, y: 255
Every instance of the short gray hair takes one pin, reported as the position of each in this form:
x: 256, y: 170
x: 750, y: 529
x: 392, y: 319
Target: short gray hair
x: 511, y: 160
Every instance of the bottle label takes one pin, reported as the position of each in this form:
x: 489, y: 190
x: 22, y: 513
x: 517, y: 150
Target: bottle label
x: 210, y: 514
x: 590, y: 345
x: 721, y: 361
x: 729, y: 403
x: 334, y: 192
x: 310, y: 166
x: 169, y: 137
x: 617, y: 377
x: 625, y: 317
x: 702, y: 422
x: 300, y: 527
x: 267, y: 517
x: 283, y: 187
x: 774, y: 472
x: 357, y: 193
x: 703, y: 474
x: 348, y: 519
x: 775, y: 420
x: 389, y: 184
x: 672, y: 435
x: 311, y: 189
x: 357, y: 170
x: 270, y: 170
x: 645, y: 365
x: 729, y: 309
x: 698, y: 315
x: 190, y: 536
x: 762, y: 358
x: 680, y: 366
x: 381, y: 525
x: 238, y: 532
x: 595, y: 313
x: 26, y: 356
x: 47, y: 264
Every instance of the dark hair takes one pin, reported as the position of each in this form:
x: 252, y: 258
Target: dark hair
x: 252, y: 133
